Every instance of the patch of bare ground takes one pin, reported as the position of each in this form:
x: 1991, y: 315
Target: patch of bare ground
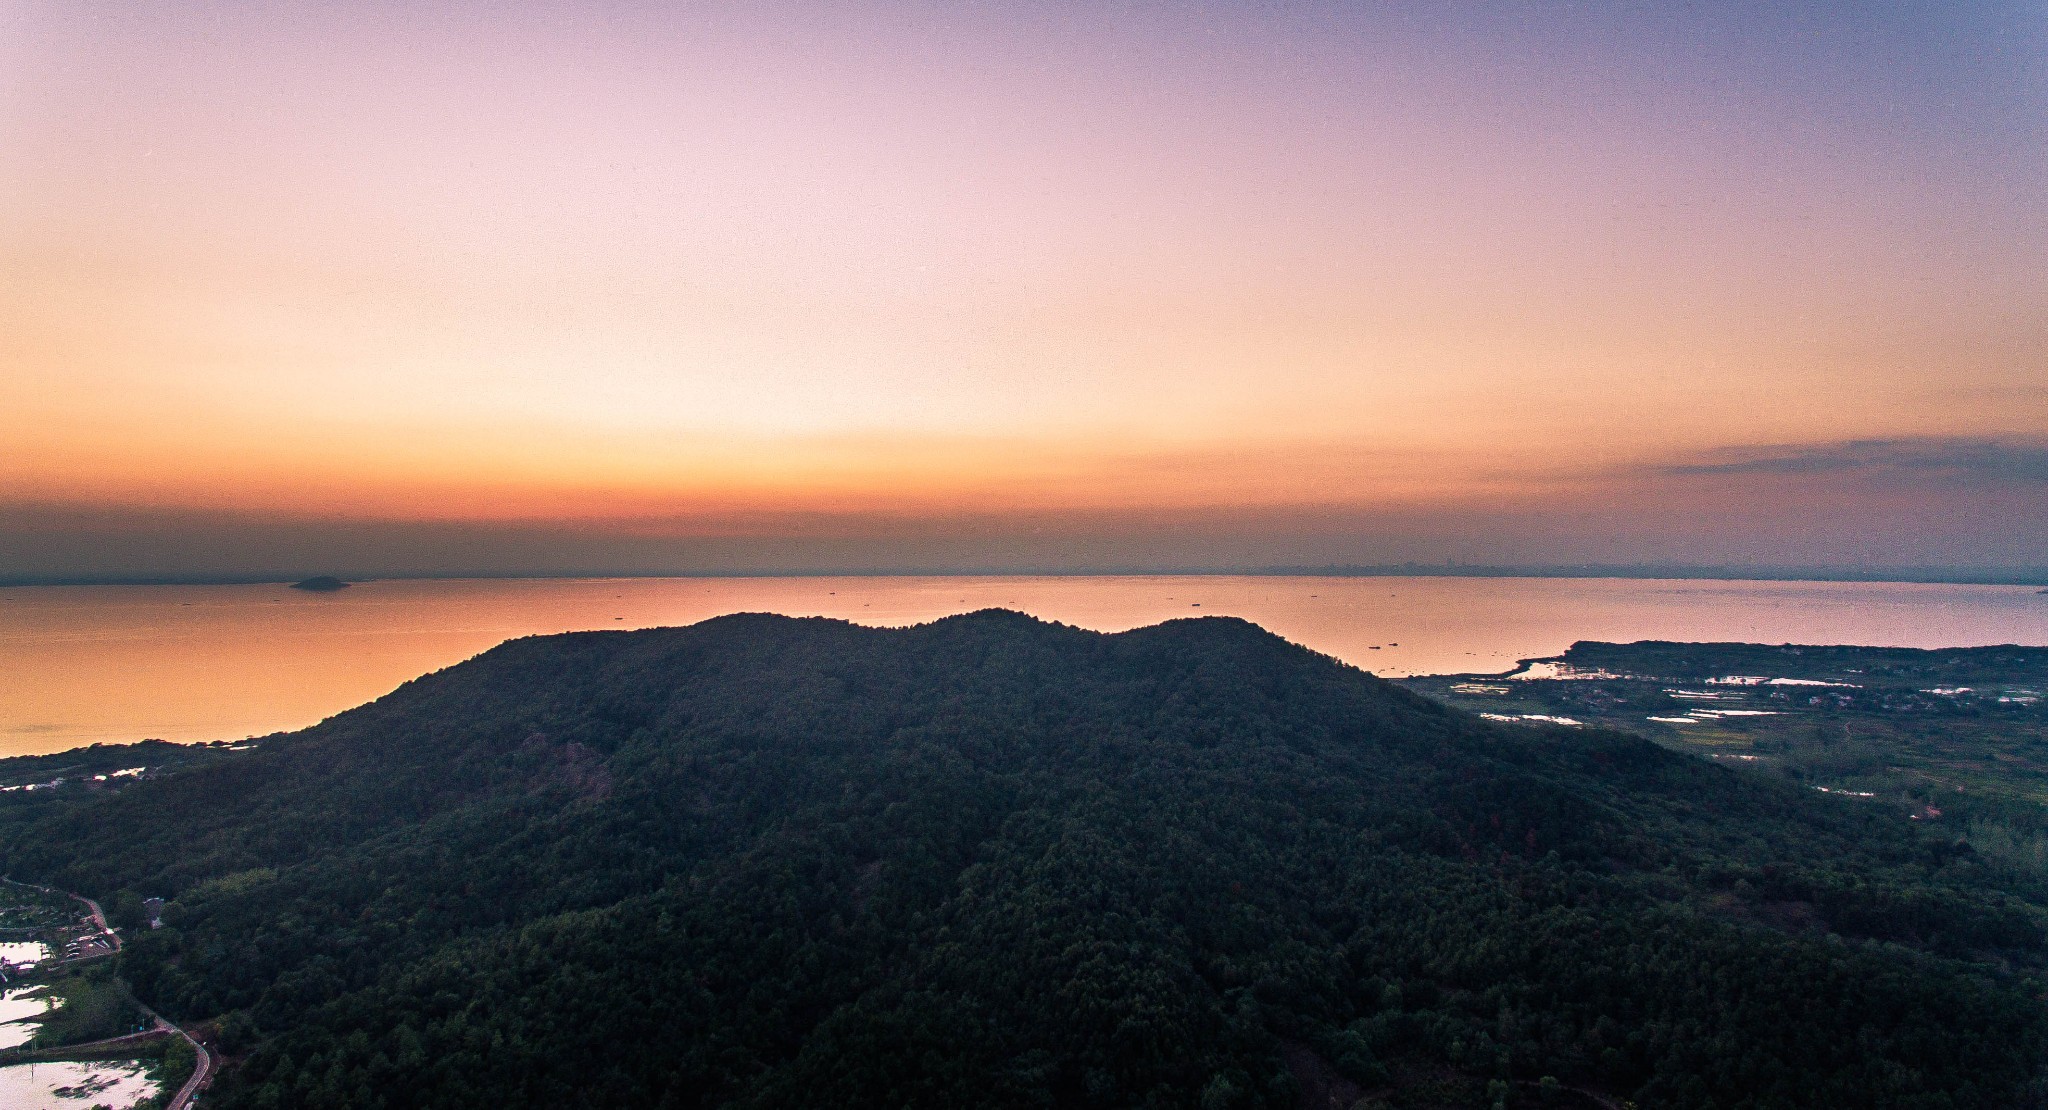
x: 572, y: 766
x: 1794, y: 917
x: 1322, y: 1088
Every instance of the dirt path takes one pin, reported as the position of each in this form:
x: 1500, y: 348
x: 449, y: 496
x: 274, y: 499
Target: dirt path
x: 38, y: 1055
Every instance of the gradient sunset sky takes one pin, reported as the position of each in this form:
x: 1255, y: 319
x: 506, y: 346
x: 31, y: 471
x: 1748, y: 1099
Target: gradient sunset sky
x: 518, y: 287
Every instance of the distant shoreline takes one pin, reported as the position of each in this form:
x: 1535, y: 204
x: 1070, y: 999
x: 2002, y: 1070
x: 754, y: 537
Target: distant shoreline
x: 2018, y: 576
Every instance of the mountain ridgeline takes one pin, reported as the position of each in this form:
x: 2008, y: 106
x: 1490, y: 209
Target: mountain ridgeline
x: 991, y: 861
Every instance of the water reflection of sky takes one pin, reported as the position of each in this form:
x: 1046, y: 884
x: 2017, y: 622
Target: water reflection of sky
x: 80, y: 665
x: 24, y: 951
x: 17, y: 1006
x: 116, y: 1083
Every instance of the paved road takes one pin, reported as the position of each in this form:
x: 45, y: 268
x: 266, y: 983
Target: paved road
x: 100, y: 919
x: 202, y: 1070
x: 202, y: 1067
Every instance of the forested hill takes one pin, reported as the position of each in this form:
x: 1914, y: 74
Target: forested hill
x: 990, y: 861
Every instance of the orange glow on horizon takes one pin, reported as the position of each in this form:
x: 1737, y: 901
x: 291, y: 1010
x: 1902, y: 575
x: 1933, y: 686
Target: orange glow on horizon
x: 676, y: 272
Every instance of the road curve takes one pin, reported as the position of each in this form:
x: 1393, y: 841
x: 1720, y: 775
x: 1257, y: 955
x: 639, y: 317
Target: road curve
x: 100, y: 920
x: 202, y: 1060
x: 202, y: 1065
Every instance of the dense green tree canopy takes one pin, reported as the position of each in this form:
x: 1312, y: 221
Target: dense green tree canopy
x: 992, y: 861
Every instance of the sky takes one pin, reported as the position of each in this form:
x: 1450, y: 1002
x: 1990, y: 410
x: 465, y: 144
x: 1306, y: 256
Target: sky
x: 583, y: 288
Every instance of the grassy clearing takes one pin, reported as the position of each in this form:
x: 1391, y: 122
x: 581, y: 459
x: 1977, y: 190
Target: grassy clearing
x: 92, y: 1005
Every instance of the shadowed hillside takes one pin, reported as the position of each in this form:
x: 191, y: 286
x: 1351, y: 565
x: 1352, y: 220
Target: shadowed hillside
x: 992, y: 861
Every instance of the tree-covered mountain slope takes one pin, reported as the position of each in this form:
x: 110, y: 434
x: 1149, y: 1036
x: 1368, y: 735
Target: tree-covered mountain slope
x: 764, y: 861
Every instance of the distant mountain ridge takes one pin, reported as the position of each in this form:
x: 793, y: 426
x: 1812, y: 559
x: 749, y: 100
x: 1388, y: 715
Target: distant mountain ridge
x: 994, y: 861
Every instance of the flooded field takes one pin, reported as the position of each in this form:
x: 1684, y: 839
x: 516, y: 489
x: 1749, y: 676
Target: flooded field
x: 19, y: 1006
x: 24, y: 951
x: 118, y: 1084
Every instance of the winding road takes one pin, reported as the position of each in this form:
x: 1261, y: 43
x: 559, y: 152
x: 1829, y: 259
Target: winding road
x: 203, y: 1063
x: 202, y: 1067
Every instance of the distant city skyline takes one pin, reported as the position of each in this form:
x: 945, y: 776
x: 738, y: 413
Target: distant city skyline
x: 531, y: 289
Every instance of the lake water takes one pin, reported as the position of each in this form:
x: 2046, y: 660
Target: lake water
x: 18, y: 1005
x: 86, y: 664
x: 69, y: 1086
x: 24, y: 951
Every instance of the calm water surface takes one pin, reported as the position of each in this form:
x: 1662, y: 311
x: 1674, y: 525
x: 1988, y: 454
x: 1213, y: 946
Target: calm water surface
x: 69, y: 1086
x: 15, y: 1010
x: 86, y: 664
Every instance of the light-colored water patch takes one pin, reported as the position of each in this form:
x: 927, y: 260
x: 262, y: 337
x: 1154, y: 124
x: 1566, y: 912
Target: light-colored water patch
x: 1563, y: 672
x: 23, y: 1002
x: 24, y: 951
x: 18, y: 1008
x: 1760, y: 680
x: 73, y: 1086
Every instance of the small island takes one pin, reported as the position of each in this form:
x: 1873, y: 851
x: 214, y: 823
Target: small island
x: 321, y: 584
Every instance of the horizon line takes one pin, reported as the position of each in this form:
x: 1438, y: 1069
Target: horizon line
x: 1956, y: 576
